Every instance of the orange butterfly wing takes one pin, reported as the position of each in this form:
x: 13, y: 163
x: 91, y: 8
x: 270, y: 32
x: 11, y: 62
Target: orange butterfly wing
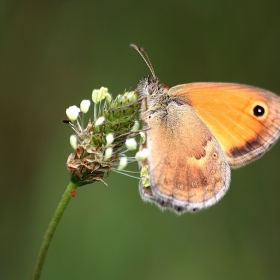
x: 187, y: 168
x: 244, y: 119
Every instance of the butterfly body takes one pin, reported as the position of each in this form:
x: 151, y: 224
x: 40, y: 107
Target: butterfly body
x: 196, y: 132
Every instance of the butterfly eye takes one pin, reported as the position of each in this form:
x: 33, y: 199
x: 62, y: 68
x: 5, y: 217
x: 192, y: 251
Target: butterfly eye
x: 151, y: 88
x: 259, y: 111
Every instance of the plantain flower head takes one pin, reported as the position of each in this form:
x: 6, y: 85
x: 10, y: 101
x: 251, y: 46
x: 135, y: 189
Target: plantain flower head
x: 101, y: 143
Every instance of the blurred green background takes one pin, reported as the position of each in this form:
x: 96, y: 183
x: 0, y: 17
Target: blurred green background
x: 52, y: 54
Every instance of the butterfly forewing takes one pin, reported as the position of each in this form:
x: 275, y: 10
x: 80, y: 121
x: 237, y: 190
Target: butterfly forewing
x: 245, y: 120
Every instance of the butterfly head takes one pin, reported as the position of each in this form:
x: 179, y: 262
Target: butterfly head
x: 151, y: 87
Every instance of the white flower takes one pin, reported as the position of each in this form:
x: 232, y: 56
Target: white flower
x: 73, y: 112
x: 85, y: 104
x: 99, y: 94
x: 131, y: 144
x: 108, y: 153
x: 123, y: 163
x: 142, y: 137
x: 109, y: 139
x: 73, y: 141
x: 142, y: 155
x: 100, y: 121
x: 108, y: 97
x: 136, y: 126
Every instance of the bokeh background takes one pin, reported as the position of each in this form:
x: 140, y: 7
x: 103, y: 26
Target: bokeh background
x: 52, y: 54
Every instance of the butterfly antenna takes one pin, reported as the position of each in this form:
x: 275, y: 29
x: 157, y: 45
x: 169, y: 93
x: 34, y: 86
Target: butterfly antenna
x: 145, y: 57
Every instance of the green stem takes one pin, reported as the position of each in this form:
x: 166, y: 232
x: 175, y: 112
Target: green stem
x: 51, y: 229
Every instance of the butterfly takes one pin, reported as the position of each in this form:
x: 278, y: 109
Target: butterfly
x: 195, y: 133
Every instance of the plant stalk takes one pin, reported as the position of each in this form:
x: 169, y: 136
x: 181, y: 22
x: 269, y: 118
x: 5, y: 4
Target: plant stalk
x: 51, y: 229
